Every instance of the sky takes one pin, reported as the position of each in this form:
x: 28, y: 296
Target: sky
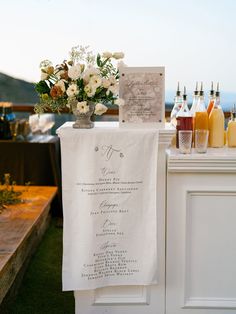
x: 193, y: 39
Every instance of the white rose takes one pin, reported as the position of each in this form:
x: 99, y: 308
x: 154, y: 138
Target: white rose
x: 72, y: 90
x: 89, y: 72
x: 107, y: 55
x: 82, y: 107
x: 119, y: 102
x: 95, y: 81
x: 61, y: 84
x: 74, y: 72
x: 118, y: 55
x: 112, y: 80
x: 105, y: 83
x: 90, y: 90
x: 100, y: 109
x: 114, y: 89
x: 44, y: 76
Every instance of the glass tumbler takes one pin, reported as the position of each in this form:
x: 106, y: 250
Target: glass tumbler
x: 201, y: 140
x: 185, y: 141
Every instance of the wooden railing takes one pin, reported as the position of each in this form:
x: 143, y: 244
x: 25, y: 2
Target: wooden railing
x: 30, y: 108
x: 23, y: 108
x: 111, y: 112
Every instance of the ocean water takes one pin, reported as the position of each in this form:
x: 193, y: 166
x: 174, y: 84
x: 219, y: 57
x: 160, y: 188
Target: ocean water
x: 228, y: 99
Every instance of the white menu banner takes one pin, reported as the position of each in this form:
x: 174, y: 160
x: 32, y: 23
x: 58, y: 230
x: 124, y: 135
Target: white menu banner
x: 109, y: 203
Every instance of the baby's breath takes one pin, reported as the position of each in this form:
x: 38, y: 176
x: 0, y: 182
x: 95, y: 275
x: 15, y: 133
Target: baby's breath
x: 81, y: 54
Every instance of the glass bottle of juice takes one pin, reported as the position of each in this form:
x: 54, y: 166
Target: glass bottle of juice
x: 211, y: 99
x: 178, y: 100
x: 201, y: 116
x: 216, y: 123
x: 184, y: 118
x: 195, y: 99
x: 231, y: 133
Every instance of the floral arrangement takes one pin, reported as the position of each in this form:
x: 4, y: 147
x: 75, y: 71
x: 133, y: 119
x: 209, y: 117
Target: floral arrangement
x: 83, y: 79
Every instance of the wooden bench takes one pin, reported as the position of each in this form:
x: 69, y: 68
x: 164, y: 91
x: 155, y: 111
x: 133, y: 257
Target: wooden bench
x: 21, y: 229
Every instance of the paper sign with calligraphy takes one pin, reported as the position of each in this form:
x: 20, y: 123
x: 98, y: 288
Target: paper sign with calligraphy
x: 143, y: 91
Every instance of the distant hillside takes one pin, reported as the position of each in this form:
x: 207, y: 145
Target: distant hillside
x: 22, y: 92
x: 16, y: 91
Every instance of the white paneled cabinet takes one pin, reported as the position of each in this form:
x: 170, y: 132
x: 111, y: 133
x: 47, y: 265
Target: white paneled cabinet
x: 201, y: 233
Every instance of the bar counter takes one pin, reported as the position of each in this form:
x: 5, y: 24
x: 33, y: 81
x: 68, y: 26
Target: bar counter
x: 201, y: 233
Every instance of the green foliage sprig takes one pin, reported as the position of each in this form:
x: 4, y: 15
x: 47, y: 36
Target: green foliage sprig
x: 8, y: 195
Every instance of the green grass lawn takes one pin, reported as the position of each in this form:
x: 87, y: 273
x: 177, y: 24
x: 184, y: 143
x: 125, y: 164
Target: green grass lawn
x: 41, y: 288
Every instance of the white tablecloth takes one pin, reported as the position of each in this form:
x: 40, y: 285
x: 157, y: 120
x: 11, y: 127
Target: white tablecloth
x: 109, y: 206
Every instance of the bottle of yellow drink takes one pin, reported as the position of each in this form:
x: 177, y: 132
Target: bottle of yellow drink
x: 216, y: 123
x: 201, y: 116
x: 231, y: 133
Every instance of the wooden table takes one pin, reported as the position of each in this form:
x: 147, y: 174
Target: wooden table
x: 36, y: 161
x: 21, y: 229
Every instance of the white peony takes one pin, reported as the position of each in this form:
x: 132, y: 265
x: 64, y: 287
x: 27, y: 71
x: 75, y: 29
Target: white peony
x: 119, y: 102
x: 107, y: 54
x: 72, y: 90
x: 95, y: 81
x: 90, y: 90
x: 82, y: 107
x: 105, y: 83
x: 74, y: 72
x: 118, y: 55
x: 100, y: 109
x: 61, y: 84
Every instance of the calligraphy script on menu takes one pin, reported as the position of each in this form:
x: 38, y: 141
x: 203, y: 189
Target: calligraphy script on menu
x: 111, y: 219
x: 143, y: 93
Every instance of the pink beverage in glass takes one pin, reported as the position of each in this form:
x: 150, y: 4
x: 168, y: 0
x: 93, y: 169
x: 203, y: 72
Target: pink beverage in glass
x: 184, y: 118
x: 184, y: 124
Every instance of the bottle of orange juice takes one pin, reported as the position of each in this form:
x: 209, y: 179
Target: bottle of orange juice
x: 231, y: 132
x: 211, y: 99
x: 201, y: 116
x: 216, y: 123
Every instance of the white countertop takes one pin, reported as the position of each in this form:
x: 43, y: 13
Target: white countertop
x: 215, y: 160
x: 165, y: 134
